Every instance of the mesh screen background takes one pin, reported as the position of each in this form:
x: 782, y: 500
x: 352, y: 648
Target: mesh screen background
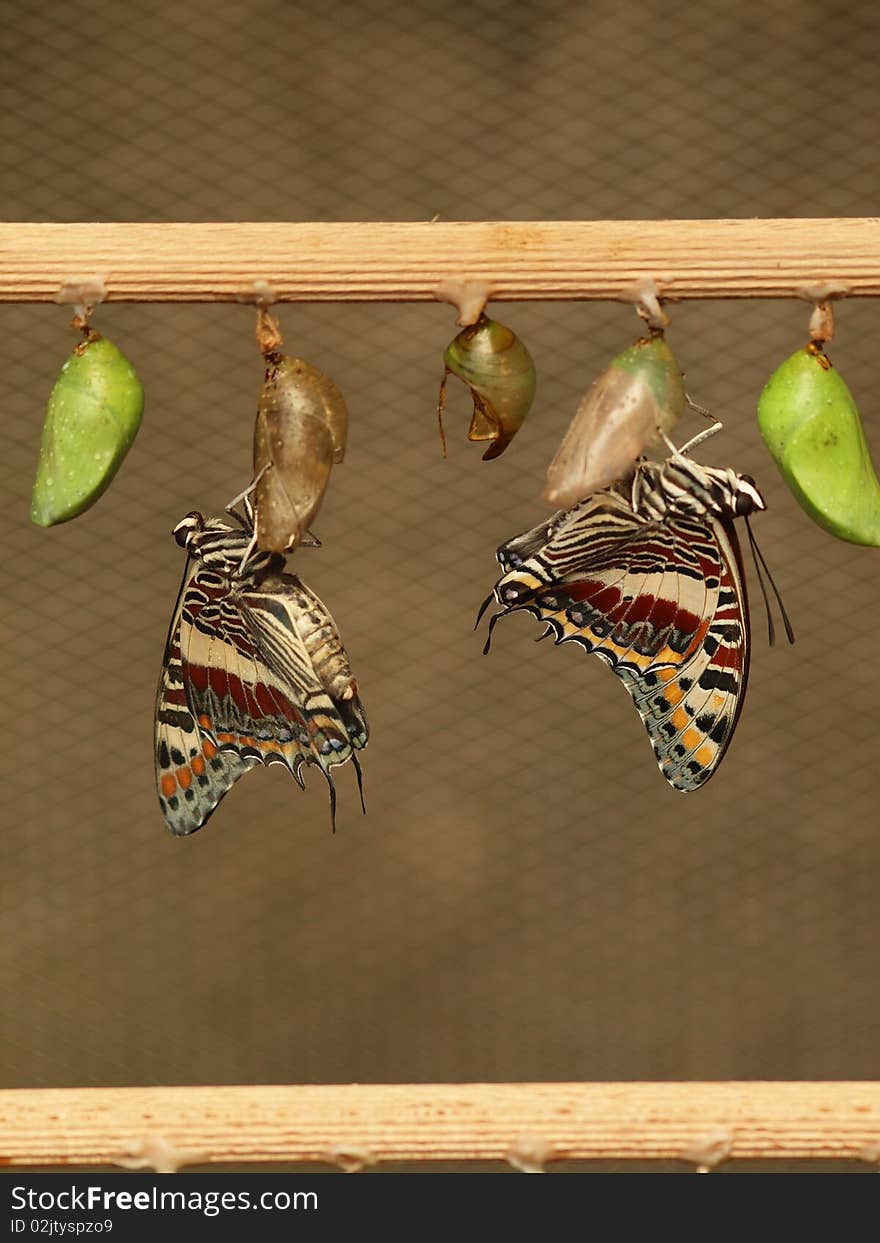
x: 526, y: 899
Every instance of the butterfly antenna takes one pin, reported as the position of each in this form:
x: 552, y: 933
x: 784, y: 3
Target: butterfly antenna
x: 360, y: 780
x: 759, y: 563
x: 771, y: 629
x: 483, y: 607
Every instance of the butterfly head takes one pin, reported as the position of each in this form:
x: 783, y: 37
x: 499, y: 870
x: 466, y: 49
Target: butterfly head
x: 190, y: 526
x: 747, y: 497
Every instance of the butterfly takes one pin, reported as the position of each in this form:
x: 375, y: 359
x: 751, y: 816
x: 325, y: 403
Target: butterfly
x: 254, y: 672
x: 647, y: 574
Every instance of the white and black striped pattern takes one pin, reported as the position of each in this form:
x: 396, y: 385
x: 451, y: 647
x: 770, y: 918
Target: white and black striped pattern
x: 647, y: 575
x: 254, y: 672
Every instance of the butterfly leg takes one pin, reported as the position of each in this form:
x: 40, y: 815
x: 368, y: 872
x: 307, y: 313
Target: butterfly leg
x: 252, y: 543
x: 246, y: 497
x: 635, y: 499
x: 694, y: 440
x: 698, y: 409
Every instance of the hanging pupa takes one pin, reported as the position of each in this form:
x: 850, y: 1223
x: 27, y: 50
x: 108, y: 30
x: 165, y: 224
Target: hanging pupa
x: 92, y: 418
x: 500, y: 373
x: 811, y: 425
x: 300, y: 431
x: 623, y: 411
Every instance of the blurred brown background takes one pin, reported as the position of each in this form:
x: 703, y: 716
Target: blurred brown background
x: 526, y: 898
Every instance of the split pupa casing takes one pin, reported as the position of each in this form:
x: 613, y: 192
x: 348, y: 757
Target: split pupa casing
x: 811, y: 425
x: 500, y: 373
x: 92, y: 417
x: 621, y: 413
x: 300, y: 431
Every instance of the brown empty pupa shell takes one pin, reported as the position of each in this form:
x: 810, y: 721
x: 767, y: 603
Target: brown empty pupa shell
x: 301, y: 430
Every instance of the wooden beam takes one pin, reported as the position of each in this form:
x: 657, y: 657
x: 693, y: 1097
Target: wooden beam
x: 394, y: 262
x: 356, y: 1125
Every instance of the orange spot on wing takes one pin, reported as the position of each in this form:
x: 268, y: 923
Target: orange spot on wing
x: 691, y: 738
x: 667, y: 656
x: 184, y: 778
x: 680, y: 719
x: 706, y: 754
x: 209, y: 749
x: 673, y: 693
x: 168, y: 785
x: 198, y: 766
x: 205, y: 721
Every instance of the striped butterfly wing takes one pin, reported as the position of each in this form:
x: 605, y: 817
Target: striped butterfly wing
x: 245, y: 674
x: 192, y: 773
x: 661, y: 602
x: 691, y: 711
x: 302, y: 648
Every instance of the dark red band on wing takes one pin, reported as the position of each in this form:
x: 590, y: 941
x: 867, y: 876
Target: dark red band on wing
x: 268, y: 704
x: 600, y: 595
x: 662, y: 613
x: 198, y: 676
x: 727, y: 657
x: 217, y: 678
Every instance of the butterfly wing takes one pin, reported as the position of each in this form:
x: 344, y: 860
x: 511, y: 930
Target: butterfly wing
x: 192, y: 774
x: 302, y: 650
x: 662, y: 603
x: 234, y: 694
x: 691, y: 711
x: 638, y: 594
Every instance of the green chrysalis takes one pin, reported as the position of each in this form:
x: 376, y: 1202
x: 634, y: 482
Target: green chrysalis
x: 811, y: 425
x: 92, y: 417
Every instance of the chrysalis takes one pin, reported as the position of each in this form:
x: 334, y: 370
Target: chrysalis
x: 811, y: 425
x: 300, y: 431
x: 500, y: 373
x: 621, y: 413
x: 92, y: 417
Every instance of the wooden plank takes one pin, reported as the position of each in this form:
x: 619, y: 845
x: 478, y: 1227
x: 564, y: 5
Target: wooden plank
x: 390, y: 262
x: 356, y: 1125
